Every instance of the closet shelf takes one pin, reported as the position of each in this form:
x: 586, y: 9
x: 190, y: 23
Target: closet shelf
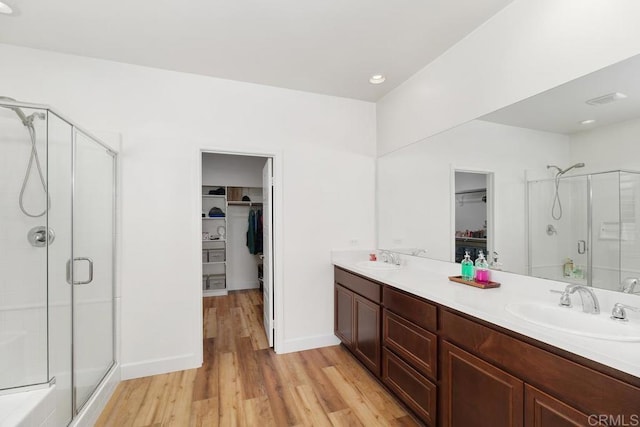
x: 472, y: 239
x: 214, y: 240
x: 241, y: 203
x: 213, y: 196
x: 215, y: 262
x: 215, y: 217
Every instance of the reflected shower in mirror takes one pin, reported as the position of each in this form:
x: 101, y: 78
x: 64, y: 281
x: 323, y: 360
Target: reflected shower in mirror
x: 564, y: 163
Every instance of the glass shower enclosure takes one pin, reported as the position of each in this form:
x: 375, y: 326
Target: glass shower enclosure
x: 57, y: 216
x: 592, y: 237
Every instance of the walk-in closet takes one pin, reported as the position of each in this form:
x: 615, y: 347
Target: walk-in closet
x: 232, y: 223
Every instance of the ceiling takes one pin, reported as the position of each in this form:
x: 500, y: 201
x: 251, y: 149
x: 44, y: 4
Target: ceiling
x: 328, y: 46
x: 560, y: 110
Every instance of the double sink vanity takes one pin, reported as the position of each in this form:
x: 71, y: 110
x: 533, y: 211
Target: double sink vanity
x: 511, y: 356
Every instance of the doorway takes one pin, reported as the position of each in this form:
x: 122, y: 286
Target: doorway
x: 237, y: 232
x: 473, y: 215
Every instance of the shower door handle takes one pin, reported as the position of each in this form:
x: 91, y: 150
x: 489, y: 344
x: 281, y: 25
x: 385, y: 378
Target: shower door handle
x: 582, y: 246
x: 90, y: 261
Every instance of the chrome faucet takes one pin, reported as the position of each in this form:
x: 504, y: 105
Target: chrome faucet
x: 629, y: 284
x: 619, y: 313
x: 589, y: 300
x: 390, y: 257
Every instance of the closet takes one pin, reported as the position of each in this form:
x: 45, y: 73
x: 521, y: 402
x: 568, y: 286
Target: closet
x: 231, y: 223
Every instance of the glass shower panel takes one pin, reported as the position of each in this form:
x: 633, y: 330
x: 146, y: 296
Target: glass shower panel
x: 553, y: 241
x: 60, y: 138
x: 93, y: 210
x: 630, y: 225
x: 23, y: 266
x: 606, y: 230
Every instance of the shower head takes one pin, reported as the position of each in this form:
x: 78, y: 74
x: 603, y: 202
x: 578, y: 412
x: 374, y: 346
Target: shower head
x: 563, y: 171
x: 577, y: 165
x: 16, y: 110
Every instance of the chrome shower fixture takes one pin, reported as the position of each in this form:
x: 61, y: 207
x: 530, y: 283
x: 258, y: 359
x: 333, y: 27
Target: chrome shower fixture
x: 563, y: 171
x: 556, y: 197
x: 27, y: 122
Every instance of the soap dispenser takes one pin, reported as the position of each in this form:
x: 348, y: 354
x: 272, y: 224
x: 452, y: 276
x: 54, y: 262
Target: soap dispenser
x: 467, y: 267
x: 495, y: 264
x: 482, y: 269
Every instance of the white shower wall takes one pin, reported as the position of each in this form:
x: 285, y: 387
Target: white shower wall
x: 23, y: 292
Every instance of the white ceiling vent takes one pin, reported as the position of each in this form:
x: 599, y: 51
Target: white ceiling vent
x: 607, y: 99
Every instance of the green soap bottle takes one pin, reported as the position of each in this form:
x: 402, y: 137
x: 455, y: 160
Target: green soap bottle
x: 467, y: 267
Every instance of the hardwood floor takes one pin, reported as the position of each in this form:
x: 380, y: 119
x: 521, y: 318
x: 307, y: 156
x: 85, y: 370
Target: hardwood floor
x: 244, y: 383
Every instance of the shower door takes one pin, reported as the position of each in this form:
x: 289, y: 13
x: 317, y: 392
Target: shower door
x: 554, y: 240
x: 92, y: 273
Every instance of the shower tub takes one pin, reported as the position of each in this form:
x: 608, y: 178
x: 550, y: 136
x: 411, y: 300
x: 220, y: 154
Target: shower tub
x: 57, y: 237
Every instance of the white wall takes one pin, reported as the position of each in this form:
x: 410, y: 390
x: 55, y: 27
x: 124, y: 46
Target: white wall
x: 528, y: 47
x: 326, y: 144
x: 233, y: 171
x: 415, y: 193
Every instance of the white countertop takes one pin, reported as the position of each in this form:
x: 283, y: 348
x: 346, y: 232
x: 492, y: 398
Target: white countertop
x: 429, y: 279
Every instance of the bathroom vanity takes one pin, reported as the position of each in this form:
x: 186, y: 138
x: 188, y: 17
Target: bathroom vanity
x: 456, y: 357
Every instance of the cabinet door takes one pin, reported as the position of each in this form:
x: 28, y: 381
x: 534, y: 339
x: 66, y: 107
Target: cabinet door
x: 343, y: 315
x: 542, y: 410
x: 476, y: 393
x: 367, y: 333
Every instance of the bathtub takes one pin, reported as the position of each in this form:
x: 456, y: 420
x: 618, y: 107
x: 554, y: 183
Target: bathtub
x: 32, y: 408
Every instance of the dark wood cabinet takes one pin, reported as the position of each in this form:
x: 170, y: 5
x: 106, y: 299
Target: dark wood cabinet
x: 357, y: 317
x: 414, y: 344
x: 366, y: 343
x: 542, y: 410
x: 476, y: 393
x: 416, y: 391
x: 455, y: 370
x: 410, y: 352
x: 343, y: 319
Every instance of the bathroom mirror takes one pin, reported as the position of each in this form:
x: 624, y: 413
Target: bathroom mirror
x: 583, y: 227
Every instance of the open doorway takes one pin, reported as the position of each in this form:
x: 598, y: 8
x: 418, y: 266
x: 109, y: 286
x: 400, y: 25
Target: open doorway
x: 473, y: 215
x: 237, y: 240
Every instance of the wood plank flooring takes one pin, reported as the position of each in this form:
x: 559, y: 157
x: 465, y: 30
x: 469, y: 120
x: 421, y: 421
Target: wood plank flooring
x: 244, y: 383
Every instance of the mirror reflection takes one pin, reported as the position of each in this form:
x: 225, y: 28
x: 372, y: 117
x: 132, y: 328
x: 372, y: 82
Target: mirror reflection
x: 564, y: 198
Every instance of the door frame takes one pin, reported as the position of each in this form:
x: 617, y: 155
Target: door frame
x: 278, y: 236
x: 490, y: 208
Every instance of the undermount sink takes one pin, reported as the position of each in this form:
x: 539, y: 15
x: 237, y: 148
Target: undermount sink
x: 576, y: 322
x: 377, y: 265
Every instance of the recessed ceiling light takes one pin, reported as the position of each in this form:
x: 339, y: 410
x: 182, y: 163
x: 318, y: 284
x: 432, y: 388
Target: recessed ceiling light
x: 587, y: 122
x: 5, y: 9
x: 376, y: 79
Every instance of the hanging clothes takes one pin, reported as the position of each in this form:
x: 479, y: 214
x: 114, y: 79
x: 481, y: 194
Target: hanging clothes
x: 251, y: 232
x: 259, y: 230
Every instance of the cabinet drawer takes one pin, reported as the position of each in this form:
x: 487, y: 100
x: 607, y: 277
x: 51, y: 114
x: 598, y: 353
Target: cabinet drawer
x: 412, y: 308
x: 417, y: 392
x: 359, y: 285
x: 415, y: 345
x: 581, y: 387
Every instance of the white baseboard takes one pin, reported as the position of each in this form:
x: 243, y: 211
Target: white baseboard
x: 239, y: 286
x: 300, y: 344
x: 94, y: 407
x: 160, y: 366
